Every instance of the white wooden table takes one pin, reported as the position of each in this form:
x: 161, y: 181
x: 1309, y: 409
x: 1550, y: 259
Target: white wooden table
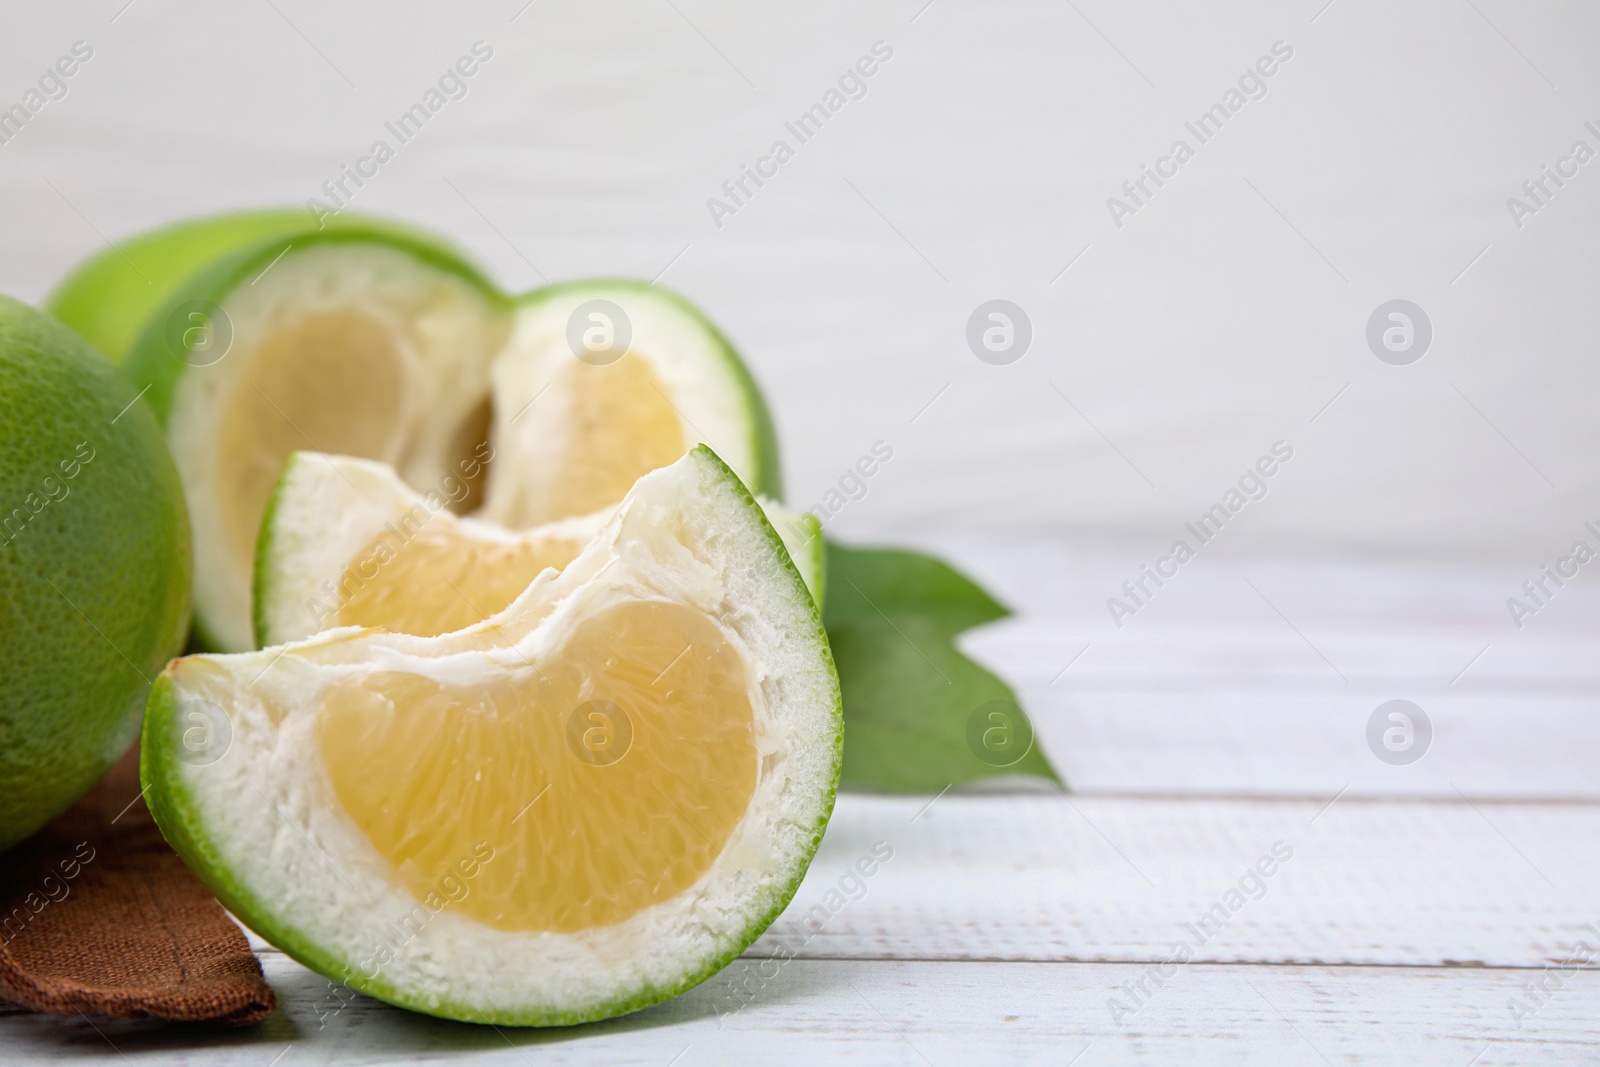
x: 1417, y: 905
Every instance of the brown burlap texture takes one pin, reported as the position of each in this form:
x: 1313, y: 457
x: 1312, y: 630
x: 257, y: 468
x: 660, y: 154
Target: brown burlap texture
x: 98, y: 916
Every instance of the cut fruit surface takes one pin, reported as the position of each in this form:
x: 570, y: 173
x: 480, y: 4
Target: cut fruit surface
x: 353, y: 341
x: 604, y: 381
x: 581, y: 806
x: 347, y: 543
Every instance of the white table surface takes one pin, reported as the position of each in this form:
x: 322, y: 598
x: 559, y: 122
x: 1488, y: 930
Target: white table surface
x: 1417, y: 902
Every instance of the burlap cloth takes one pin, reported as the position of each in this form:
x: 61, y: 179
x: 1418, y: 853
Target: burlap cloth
x: 99, y: 917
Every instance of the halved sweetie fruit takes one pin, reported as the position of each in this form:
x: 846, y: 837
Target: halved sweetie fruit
x: 354, y: 341
x: 583, y: 806
x: 345, y: 542
x: 372, y: 341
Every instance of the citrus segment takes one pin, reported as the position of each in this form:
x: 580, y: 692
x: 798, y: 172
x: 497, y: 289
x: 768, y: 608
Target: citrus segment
x: 442, y: 579
x: 610, y: 426
x: 341, y: 374
x: 606, y: 781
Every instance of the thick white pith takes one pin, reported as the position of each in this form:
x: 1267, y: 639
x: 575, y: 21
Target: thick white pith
x: 267, y: 810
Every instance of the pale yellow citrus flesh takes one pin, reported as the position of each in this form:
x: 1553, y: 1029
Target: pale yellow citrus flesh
x: 587, y: 827
x: 338, y: 371
x: 440, y: 579
x: 619, y: 426
x: 332, y: 380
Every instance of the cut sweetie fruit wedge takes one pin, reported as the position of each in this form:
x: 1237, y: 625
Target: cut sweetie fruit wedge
x: 346, y: 543
x: 582, y: 806
x: 354, y: 341
x: 604, y: 381
x: 94, y: 579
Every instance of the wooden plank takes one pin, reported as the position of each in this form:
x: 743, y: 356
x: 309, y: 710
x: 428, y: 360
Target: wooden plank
x: 918, y: 1013
x: 1125, y: 879
x: 1258, y: 677
x: 1218, y: 739
x: 1068, y: 579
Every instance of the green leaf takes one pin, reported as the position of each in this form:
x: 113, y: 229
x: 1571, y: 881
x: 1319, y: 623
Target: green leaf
x: 918, y: 715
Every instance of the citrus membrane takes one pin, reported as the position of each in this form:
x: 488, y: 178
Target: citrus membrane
x: 347, y: 543
x: 579, y: 807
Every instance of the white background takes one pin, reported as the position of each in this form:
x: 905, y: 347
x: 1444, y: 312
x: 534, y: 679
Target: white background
x: 1222, y: 317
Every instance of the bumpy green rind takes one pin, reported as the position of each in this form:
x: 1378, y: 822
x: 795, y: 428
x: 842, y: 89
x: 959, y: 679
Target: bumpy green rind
x: 261, y: 583
x: 109, y: 297
x: 94, y: 566
x: 819, y: 564
x: 175, y: 812
x: 808, y: 552
x: 767, y: 478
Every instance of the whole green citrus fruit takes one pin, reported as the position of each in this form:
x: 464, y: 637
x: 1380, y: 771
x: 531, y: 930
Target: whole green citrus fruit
x: 94, y: 566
